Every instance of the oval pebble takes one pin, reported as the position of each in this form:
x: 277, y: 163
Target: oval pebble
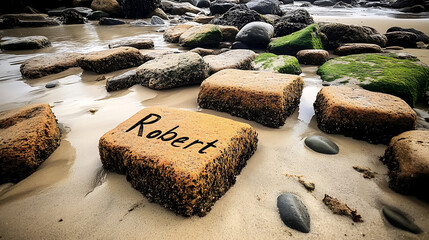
x: 293, y: 212
x: 398, y: 220
x: 321, y: 144
x: 52, y: 84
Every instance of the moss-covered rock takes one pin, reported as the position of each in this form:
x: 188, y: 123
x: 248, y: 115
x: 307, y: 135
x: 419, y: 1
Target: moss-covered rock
x: 275, y: 63
x: 307, y: 38
x: 375, y: 72
x: 199, y: 36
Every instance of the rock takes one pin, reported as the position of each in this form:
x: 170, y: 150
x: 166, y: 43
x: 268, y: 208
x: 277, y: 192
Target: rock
x: 200, y: 36
x: 52, y: 84
x: 321, y: 144
x: 229, y: 33
x: 111, y: 60
x: 407, y: 158
x: 361, y: 114
x: 39, y: 23
x: 135, y: 9
x: 160, y: 13
x: 340, y: 208
x: 96, y: 15
x: 403, y: 39
x: 264, y: 97
x: 256, y: 34
x: 179, y: 8
x: 324, y: 3
x: 25, y: 16
x: 203, y: 51
x: 59, y: 12
x: 72, y: 17
x: 29, y: 135
x: 281, y: 64
x: 31, y: 42
x: 155, y: 20
x: 173, y: 70
x: 357, y: 48
x: 125, y: 80
x: 139, y: 23
x: 49, y: 64
x: 421, y: 37
x: 399, y: 220
x: 172, y: 34
x: 82, y: 3
x: 108, y: 6
x: 136, y: 43
x: 312, y: 56
x: 291, y: 22
x: 293, y: 212
x: 406, y: 3
x: 367, y: 173
x: 153, y: 54
x: 239, y: 45
x: 413, y: 9
x: 237, y: 17
x: 337, y: 34
x: 204, y: 154
x: 220, y: 7
x: 234, y: 59
x: 202, y: 19
x: 203, y: 3
x: 110, y: 21
x: 400, y: 77
x: 307, y: 38
x: 265, y: 6
x: 341, y: 4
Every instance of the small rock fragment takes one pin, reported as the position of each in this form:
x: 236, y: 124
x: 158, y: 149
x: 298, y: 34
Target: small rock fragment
x: 52, y: 84
x: 340, y: 208
x: 367, y: 173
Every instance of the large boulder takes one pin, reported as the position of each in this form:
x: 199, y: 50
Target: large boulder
x: 400, y: 77
x: 220, y: 7
x: 200, y: 36
x: 179, y: 8
x: 407, y: 158
x: 361, y: 114
x: 421, y: 36
x: 31, y: 42
x: 138, y: 8
x: 233, y: 59
x: 172, y: 34
x: 338, y: 34
x: 403, y: 39
x: 111, y: 60
x: 238, y: 17
x: 277, y: 63
x: 307, y: 38
x: 28, y: 136
x: 256, y: 34
x: 265, y: 6
x: 108, y: 6
x: 49, y: 64
x: 291, y: 22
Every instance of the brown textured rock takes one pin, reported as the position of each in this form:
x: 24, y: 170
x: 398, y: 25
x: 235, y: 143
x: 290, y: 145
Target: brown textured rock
x: 108, y: 6
x: 228, y: 33
x: 312, y: 56
x: 136, y: 43
x: 49, y: 64
x: 155, y: 53
x: 361, y: 114
x: 265, y: 97
x: 203, y: 51
x: 111, y: 60
x: 28, y: 136
x: 22, y: 43
x: 233, y: 59
x: 407, y: 158
x: 183, y: 160
x: 357, y: 48
x: 172, y: 34
x: 203, y: 19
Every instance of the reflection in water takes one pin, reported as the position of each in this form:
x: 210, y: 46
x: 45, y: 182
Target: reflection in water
x: 308, y: 97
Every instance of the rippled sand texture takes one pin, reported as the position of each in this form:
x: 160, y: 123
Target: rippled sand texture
x: 72, y: 197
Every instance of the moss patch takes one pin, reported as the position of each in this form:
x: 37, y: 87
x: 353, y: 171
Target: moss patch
x: 207, y: 38
x: 307, y: 38
x: 400, y: 77
x: 281, y: 64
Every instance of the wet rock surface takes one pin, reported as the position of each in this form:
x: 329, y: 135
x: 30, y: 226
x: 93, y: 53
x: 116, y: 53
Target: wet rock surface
x: 291, y: 22
x: 200, y: 36
x: 23, y: 43
x: 256, y: 34
x: 172, y: 34
x: 233, y: 59
x: 321, y: 144
x: 136, y: 43
x: 110, y: 21
x: 312, y: 56
x: 402, y: 39
x: 29, y: 135
x: 420, y: 35
x: 357, y: 48
x: 237, y: 17
x: 399, y: 220
x: 293, y: 212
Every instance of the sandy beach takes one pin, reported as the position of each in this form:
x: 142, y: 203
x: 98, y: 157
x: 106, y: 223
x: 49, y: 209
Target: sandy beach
x: 70, y: 196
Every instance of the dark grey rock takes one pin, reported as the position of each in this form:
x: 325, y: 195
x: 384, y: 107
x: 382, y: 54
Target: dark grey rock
x: 110, y: 21
x: 52, y: 84
x: 135, y: 9
x: 72, y: 17
x: 406, y: 3
x: 31, y: 42
x: 399, y: 220
x: 265, y: 6
x: 96, y: 15
x: 403, y: 39
x: 239, y: 45
x: 256, y: 34
x: 413, y: 9
x: 321, y: 144
x: 341, y: 4
x: 357, y: 48
x: 220, y: 7
x: 84, y: 11
x: 155, y: 20
x: 293, y: 212
x: 421, y: 37
x: 324, y: 3
x: 139, y: 23
x: 125, y: 80
x: 203, y: 3
x: 291, y: 22
x: 238, y: 17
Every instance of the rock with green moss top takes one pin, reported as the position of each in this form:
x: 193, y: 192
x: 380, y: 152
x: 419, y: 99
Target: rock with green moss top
x: 405, y: 78
x: 277, y: 63
x: 307, y: 38
x: 200, y: 36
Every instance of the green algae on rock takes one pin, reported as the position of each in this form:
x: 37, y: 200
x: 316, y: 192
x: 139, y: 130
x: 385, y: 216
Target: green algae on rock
x: 403, y: 78
x: 275, y: 63
x: 307, y: 38
x: 199, y: 36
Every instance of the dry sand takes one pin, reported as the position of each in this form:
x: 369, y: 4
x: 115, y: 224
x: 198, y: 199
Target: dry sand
x: 72, y: 197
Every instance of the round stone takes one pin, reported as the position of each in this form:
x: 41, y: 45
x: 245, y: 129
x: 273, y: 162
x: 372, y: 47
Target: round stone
x: 321, y: 145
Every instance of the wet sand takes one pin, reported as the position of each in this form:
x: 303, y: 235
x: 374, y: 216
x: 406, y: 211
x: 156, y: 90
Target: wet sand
x: 71, y: 196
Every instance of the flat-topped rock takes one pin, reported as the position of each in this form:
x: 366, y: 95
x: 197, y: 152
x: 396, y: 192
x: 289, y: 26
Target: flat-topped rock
x: 135, y: 43
x: 312, y: 56
x: 26, y: 16
x: 233, y: 59
x: 28, y: 136
x: 264, y: 97
x: 277, y: 63
x: 182, y: 160
x: 172, y: 34
x: 49, y: 64
x: 407, y: 158
x: 181, y: 8
x: 357, y: 48
x: 361, y: 114
x: 111, y: 60
x: 228, y: 33
x: 150, y: 54
x: 31, y: 42
x: 200, y: 36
